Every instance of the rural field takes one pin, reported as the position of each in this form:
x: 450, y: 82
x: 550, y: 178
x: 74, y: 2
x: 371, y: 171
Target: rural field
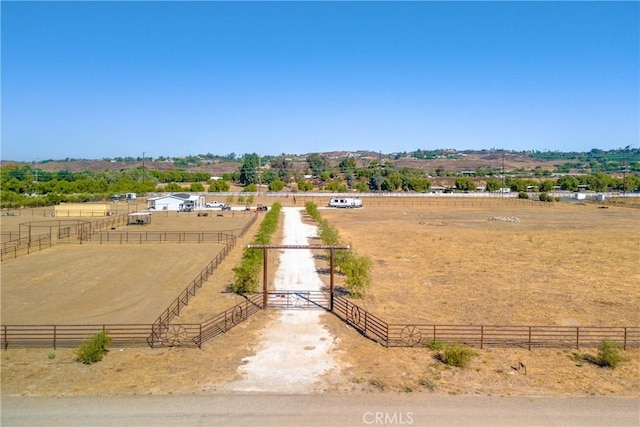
x: 434, y: 261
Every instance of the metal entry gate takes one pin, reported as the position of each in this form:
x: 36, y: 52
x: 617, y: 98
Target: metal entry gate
x: 299, y: 300
x: 266, y: 293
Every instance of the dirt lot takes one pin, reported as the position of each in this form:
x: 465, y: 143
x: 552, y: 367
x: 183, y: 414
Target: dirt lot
x: 569, y: 264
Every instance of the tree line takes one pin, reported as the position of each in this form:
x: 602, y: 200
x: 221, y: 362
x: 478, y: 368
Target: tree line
x: 23, y: 185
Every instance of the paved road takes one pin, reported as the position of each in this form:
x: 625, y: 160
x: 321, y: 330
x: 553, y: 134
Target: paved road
x: 320, y: 410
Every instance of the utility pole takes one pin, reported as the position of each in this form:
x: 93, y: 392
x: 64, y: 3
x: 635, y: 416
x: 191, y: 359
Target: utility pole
x: 143, y: 168
x: 624, y: 172
x: 503, y: 181
x: 259, y: 176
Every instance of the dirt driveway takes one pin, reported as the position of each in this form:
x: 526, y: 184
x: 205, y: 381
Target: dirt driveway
x: 296, y: 349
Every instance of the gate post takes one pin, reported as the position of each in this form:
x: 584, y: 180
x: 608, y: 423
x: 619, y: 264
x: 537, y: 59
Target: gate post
x: 331, y: 283
x: 264, y: 280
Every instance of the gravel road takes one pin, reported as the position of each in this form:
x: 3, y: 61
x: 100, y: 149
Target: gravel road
x: 319, y: 410
x: 295, y: 352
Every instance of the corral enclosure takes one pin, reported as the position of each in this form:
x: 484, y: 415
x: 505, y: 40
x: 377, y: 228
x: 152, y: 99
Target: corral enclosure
x: 94, y: 283
x: 498, y: 262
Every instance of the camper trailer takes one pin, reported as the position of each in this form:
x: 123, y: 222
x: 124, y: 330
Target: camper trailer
x: 345, y: 202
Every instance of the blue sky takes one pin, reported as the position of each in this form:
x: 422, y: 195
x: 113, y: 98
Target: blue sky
x: 108, y: 79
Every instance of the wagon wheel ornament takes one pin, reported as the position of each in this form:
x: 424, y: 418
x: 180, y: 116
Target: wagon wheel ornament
x: 410, y: 335
x: 297, y: 301
x: 354, y: 315
x: 176, y: 335
x: 236, y: 316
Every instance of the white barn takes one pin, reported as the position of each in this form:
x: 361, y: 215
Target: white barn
x: 176, y: 202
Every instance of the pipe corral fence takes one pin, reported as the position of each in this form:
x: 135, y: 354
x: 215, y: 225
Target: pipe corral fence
x: 164, y: 333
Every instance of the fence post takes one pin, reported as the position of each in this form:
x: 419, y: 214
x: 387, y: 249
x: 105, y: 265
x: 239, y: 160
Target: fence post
x: 5, y: 344
x: 55, y: 336
x: 434, y: 333
x: 577, y: 337
x: 624, y: 345
x: 365, y: 323
x: 481, y: 336
x: 529, y: 338
x: 386, y: 326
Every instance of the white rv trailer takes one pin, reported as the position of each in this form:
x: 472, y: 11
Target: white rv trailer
x: 345, y: 202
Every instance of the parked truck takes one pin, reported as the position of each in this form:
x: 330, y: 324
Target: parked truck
x: 345, y: 202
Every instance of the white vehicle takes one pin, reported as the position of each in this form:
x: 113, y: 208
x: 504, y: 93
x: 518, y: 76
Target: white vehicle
x: 214, y: 204
x: 345, y: 202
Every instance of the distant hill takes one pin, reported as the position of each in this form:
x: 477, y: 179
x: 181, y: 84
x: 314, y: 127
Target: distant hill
x: 449, y: 160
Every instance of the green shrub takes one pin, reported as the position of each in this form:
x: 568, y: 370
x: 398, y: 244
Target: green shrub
x: 609, y: 355
x: 196, y: 187
x: 358, y: 270
x: 435, y: 345
x: 457, y: 355
x: 94, y: 349
x: 305, y: 186
x: 247, y: 273
x: 544, y: 197
x: 277, y: 185
x: 312, y: 210
x: 523, y: 195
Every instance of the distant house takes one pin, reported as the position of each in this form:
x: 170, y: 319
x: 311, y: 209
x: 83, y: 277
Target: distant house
x: 176, y: 202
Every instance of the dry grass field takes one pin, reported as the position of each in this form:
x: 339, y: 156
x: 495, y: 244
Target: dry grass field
x: 564, y: 264
x: 440, y: 262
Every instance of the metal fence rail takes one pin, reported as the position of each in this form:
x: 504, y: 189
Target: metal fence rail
x: 183, y: 299
x: 24, y: 246
x: 364, y: 322
x: 163, y: 236
x: 62, y: 336
x: 231, y: 317
x: 411, y: 335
